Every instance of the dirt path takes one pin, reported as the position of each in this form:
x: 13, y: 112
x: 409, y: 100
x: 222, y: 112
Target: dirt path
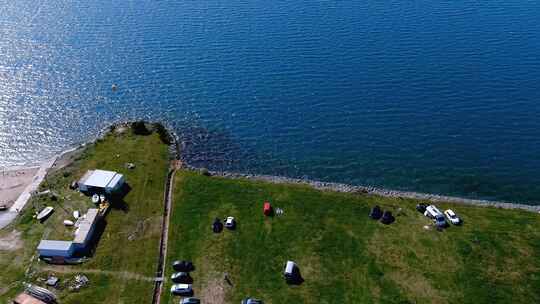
x: 156, y: 298
x: 11, y: 241
x: 120, y: 274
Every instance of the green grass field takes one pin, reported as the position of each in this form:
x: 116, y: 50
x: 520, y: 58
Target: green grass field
x: 119, y: 271
x: 344, y: 256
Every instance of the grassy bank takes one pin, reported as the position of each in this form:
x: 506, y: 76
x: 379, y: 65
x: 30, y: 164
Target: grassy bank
x: 344, y: 256
x: 125, y: 259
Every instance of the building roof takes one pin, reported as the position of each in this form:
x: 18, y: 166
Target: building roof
x: 85, y: 226
x: 115, y: 180
x: 54, y: 245
x: 99, y: 178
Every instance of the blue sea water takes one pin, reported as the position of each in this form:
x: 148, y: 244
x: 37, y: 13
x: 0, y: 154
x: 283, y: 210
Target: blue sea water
x: 430, y: 96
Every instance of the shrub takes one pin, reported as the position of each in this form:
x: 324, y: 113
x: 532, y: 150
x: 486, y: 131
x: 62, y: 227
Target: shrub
x: 139, y: 128
x: 163, y: 134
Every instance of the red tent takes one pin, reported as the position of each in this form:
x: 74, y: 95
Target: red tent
x: 267, y: 209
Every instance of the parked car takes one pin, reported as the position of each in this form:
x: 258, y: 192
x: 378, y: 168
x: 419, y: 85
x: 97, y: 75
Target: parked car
x: 375, y: 212
x: 291, y: 272
x: 3, y: 207
x: 452, y: 217
x: 190, y: 300
x: 182, y: 290
x: 183, y: 266
x: 230, y: 222
x: 421, y: 208
x: 440, y: 221
x: 251, y: 301
x: 436, y: 215
x: 181, y: 277
x: 432, y: 211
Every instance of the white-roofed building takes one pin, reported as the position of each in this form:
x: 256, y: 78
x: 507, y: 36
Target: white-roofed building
x: 101, y: 181
x: 86, y: 226
x: 85, y: 229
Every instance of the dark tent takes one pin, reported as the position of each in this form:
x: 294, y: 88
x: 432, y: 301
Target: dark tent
x: 217, y: 226
x: 387, y: 218
x: 375, y: 213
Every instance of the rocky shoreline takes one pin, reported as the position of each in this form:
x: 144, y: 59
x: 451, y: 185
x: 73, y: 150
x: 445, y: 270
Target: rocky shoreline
x: 320, y: 185
x: 346, y: 188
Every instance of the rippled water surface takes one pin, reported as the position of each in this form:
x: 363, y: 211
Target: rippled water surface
x: 430, y: 96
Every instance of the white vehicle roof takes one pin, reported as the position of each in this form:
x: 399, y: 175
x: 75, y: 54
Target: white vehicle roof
x: 450, y: 212
x: 181, y: 286
x: 431, y: 209
x: 290, y: 266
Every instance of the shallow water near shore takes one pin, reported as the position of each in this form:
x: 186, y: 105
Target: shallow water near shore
x: 434, y: 97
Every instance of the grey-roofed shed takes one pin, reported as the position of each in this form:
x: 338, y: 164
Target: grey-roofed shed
x: 49, y: 248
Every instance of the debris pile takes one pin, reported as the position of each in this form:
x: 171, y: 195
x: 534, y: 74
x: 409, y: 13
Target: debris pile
x: 52, y: 281
x: 78, y: 282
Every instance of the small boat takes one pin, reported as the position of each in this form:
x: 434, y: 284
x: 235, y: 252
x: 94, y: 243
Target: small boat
x: 44, y: 213
x: 68, y: 223
x: 102, y: 198
x: 76, y: 214
x: 95, y: 199
x: 46, y: 192
x: 114, y: 87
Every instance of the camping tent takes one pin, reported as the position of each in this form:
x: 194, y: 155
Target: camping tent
x: 267, y: 208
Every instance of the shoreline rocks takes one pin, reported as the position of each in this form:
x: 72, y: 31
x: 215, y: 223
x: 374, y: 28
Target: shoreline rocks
x: 369, y: 190
x: 175, y: 152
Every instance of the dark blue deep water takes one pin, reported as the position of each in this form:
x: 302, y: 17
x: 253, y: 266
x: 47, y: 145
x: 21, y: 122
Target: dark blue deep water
x: 430, y: 96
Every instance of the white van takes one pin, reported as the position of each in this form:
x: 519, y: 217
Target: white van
x: 435, y: 214
x: 291, y: 271
x: 432, y: 211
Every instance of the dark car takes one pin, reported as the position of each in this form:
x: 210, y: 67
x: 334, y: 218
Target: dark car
x: 183, y: 266
x: 375, y: 213
x: 181, y: 277
x: 190, y: 301
x: 421, y: 208
x: 251, y: 301
x: 387, y: 218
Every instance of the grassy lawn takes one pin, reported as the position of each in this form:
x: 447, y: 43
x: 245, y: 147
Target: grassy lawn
x: 344, y: 256
x: 126, y: 255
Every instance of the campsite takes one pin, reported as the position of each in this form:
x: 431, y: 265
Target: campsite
x: 342, y: 255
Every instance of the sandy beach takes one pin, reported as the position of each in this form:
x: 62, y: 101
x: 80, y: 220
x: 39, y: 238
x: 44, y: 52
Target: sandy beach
x: 13, y: 182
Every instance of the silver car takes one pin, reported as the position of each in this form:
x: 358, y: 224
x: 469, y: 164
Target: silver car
x: 182, y: 289
x: 251, y: 301
x: 190, y: 301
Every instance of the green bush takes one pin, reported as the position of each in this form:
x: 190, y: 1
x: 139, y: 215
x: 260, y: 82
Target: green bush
x: 139, y: 128
x: 163, y: 134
